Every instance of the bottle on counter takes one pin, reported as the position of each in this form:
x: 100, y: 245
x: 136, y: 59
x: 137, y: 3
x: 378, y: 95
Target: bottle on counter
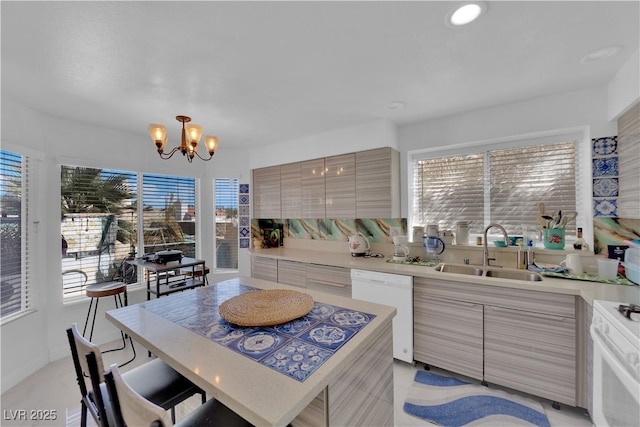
x: 580, y: 244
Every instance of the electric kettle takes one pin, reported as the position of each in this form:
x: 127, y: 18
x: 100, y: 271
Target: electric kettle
x: 358, y: 245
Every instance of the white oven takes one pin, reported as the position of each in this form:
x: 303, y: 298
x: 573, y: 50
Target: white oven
x: 616, y: 365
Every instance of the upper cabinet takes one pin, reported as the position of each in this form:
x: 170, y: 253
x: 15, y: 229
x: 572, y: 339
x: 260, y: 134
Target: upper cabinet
x: 629, y: 167
x: 313, y: 195
x: 365, y: 184
x: 378, y: 183
x: 291, y: 190
x: 340, y: 186
x: 266, y: 192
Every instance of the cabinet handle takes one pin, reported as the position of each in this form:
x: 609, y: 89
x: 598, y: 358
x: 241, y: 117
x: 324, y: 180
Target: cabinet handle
x: 335, y: 285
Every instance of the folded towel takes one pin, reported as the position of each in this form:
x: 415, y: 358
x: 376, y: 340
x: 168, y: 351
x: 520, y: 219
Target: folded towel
x: 548, y: 268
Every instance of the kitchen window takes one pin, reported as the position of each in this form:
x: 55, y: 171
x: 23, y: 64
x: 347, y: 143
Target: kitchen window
x: 103, y: 224
x: 497, y: 183
x: 16, y: 230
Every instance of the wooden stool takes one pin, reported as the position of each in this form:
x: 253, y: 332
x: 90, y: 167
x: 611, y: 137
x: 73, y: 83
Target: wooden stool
x: 101, y: 290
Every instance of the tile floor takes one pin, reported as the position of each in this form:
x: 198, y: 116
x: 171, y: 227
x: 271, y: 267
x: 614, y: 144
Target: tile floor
x: 54, y: 388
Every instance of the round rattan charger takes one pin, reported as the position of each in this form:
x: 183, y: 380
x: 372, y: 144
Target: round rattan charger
x: 266, y: 307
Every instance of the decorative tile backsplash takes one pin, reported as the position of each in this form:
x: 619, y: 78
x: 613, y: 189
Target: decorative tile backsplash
x: 605, y: 176
x: 244, y: 216
x: 377, y: 230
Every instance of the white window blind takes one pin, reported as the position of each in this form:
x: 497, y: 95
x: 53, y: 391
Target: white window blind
x: 495, y: 186
x: 226, y: 196
x: 169, y: 214
x: 15, y: 276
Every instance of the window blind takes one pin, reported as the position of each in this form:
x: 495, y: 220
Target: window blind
x: 15, y: 271
x: 169, y: 214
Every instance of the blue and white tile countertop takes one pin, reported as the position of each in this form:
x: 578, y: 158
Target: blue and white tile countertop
x: 296, y: 349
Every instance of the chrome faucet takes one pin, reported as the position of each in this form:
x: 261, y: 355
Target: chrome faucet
x: 485, y: 252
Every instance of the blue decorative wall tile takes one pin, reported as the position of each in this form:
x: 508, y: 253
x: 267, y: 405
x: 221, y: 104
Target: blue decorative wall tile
x: 244, y: 210
x: 605, y: 167
x: 244, y: 221
x: 244, y: 231
x: 605, y: 146
x: 605, y: 207
x: 245, y: 242
x: 243, y: 199
x: 605, y: 187
x: 243, y: 189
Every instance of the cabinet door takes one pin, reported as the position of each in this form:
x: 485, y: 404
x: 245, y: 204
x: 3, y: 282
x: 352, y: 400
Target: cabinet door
x: 291, y: 190
x: 292, y: 273
x: 378, y: 183
x: 531, y: 352
x: 448, y: 334
x: 340, y: 186
x: 264, y: 268
x: 313, y: 188
x: 266, y: 192
x: 332, y: 280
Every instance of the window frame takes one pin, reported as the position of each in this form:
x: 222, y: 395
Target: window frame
x: 581, y: 137
x: 139, y: 224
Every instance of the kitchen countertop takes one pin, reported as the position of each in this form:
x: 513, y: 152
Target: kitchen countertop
x: 589, y: 291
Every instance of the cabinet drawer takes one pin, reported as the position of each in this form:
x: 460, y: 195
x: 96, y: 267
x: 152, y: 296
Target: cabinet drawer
x: 332, y: 280
x: 292, y: 273
x: 264, y: 268
x: 497, y: 296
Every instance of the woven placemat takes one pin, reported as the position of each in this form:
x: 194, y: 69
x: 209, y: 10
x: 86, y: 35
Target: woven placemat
x: 266, y: 307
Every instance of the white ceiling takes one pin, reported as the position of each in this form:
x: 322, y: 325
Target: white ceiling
x: 256, y: 73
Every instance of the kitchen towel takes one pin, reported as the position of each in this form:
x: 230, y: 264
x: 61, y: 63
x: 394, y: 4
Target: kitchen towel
x: 450, y: 402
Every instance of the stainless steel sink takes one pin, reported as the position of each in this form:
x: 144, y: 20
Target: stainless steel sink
x: 528, y: 276
x: 460, y: 269
x: 471, y: 270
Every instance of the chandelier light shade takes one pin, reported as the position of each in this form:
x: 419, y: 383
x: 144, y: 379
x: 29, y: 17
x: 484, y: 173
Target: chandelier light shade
x: 191, y: 134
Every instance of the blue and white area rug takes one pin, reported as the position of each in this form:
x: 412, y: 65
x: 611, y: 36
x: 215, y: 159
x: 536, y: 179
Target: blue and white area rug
x: 450, y: 402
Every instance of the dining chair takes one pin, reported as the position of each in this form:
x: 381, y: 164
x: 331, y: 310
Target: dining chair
x: 134, y: 410
x: 155, y: 380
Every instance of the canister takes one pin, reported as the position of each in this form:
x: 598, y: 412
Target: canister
x: 418, y: 233
x: 462, y: 232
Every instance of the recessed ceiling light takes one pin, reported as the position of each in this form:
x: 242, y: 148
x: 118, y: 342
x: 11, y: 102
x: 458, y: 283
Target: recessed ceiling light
x: 465, y: 13
x: 600, y: 54
x: 397, y: 105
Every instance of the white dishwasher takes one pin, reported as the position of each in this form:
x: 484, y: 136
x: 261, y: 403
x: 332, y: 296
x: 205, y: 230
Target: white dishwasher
x: 394, y: 290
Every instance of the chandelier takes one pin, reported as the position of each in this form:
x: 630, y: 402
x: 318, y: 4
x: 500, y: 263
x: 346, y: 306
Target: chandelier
x: 190, y: 138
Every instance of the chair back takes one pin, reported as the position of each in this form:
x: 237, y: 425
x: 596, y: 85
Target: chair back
x: 84, y: 346
x: 98, y: 396
x: 130, y: 406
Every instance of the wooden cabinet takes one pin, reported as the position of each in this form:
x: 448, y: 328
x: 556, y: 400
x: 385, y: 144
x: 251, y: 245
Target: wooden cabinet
x: 629, y: 163
x: 340, y: 186
x: 291, y: 190
x: 531, y: 352
x: 266, y: 192
x: 521, y: 339
x: 448, y: 334
x: 332, y: 280
x: 365, y: 184
x: 292, y: 273
x: 264, y: 268
x: 378, y: 183
x: 313, y: 188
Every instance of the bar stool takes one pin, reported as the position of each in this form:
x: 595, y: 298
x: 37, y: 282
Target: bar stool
x: 102, y: 290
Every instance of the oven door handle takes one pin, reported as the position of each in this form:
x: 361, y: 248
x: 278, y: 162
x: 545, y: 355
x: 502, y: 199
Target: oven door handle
x: 613, y: 355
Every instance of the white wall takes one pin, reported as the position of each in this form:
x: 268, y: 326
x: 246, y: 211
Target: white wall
x: 32, y: 341
x: 561, y: 111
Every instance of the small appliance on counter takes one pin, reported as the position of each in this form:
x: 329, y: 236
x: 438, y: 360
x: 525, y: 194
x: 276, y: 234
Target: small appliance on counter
x: 359, y: 245
x: 163, y: 257
x: 632, y: 265
x: 400, y: 248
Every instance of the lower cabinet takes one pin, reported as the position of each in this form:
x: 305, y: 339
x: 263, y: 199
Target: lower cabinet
x: 448, y: 334
x: 521, y: 339
x: 331, y: 280
x: 292, y: 273
x: 264, y: 268
x: 531, y: 352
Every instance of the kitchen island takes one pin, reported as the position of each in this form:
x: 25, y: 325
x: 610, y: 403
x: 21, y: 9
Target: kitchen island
x: 352, y: 385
